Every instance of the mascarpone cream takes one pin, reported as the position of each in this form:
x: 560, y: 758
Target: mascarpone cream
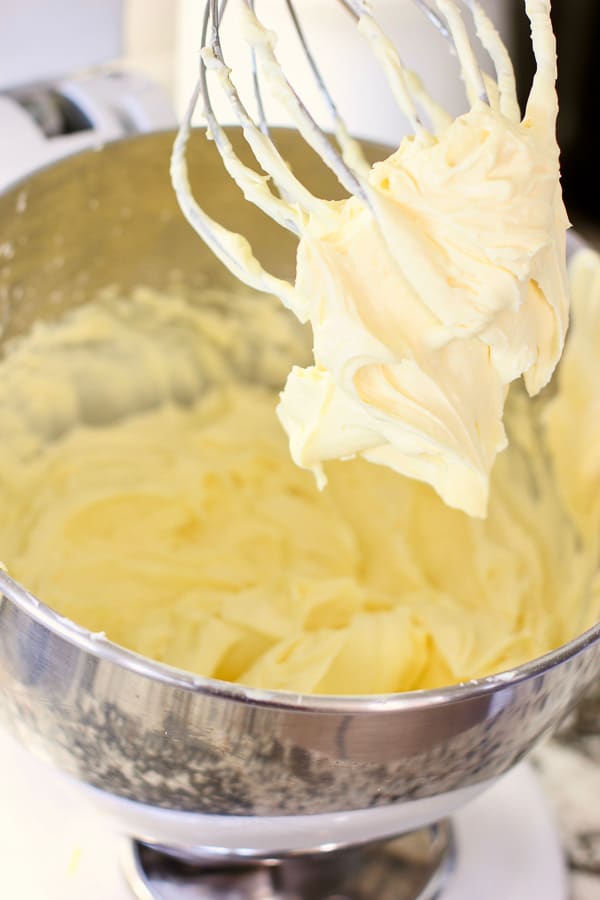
x: 146, y: 491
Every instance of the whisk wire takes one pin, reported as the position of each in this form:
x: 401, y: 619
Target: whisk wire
x: 472, y: 76
x: 314, y: 136
x: 275, y: 189
x: 388, y: 54
x: 496, y: 50
x: 231, y: 248
x: 289, y: 214
x: 258, y: 99
x: 350, y: 149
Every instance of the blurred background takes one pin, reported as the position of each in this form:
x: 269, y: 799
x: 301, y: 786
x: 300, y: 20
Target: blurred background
x: 157, y: 41
x: 577, y: 28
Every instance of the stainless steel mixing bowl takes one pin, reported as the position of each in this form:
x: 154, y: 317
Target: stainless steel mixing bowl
x: 165, y: 739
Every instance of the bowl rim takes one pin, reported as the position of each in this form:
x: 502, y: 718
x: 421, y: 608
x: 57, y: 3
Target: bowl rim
x: 99, y: 646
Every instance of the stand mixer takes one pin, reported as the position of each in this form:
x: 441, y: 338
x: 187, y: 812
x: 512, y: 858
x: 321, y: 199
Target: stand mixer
x: 212, y: 773
x: 227, y: 791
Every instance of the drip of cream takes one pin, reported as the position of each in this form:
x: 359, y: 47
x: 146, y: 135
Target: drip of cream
x: 440, y: 281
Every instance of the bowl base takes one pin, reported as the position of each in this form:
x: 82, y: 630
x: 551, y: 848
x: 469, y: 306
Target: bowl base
x: 411, y: 867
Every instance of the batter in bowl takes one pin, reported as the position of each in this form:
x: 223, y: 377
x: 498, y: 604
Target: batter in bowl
x: 147, y: 492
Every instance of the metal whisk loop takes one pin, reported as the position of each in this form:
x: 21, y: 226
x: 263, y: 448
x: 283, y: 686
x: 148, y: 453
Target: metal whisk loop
x: 390, y: 60
x: 350, y: 149
x: 232, y: 249
x: 314, y: 136
x: 301, y: 200
x: 275, y: 189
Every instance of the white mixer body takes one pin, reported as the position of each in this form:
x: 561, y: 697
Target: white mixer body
x: 112, y: 104
x: 42, y: 45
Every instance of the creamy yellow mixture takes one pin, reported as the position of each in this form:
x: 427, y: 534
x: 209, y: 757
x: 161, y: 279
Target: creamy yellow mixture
x: 146, y: 487
x: 440, y: 281
x: 146, y: 491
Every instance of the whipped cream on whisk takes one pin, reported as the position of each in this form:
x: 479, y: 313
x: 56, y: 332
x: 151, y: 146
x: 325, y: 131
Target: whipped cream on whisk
x: 440, y: 281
